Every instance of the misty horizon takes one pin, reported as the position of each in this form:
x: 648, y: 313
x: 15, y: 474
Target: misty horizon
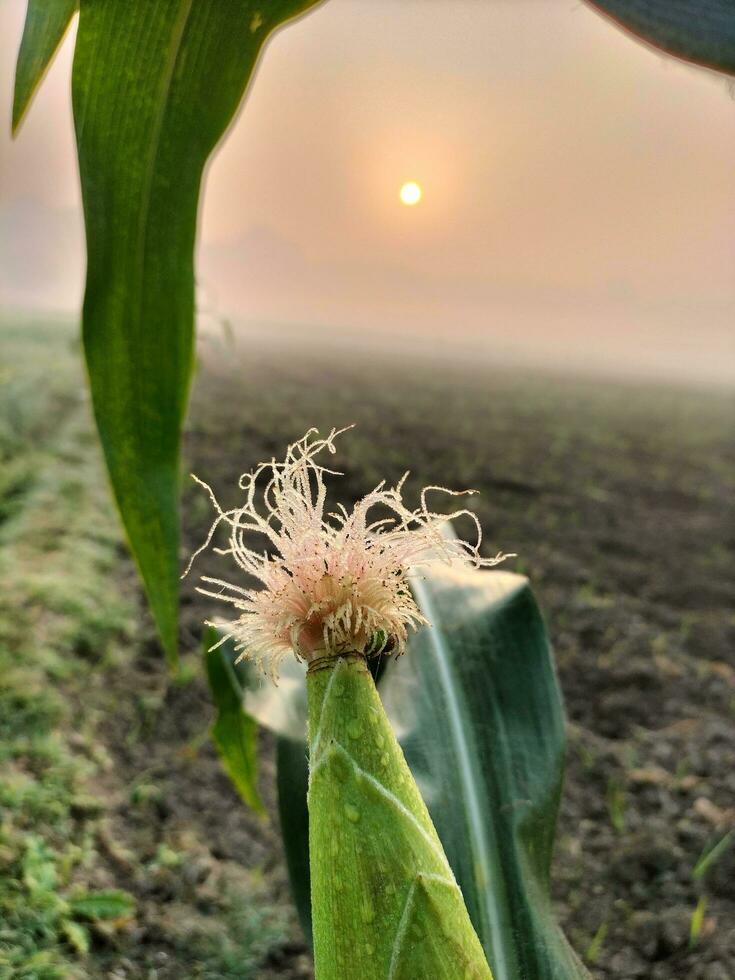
x: 578, y: 191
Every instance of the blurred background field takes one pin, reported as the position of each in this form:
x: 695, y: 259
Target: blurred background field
x: 616, y: 497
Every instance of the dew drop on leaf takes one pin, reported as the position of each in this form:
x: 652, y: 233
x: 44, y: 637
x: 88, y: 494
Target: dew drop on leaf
x: 352, y: 813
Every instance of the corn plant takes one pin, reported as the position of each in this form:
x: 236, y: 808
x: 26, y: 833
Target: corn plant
x: 475, y: 702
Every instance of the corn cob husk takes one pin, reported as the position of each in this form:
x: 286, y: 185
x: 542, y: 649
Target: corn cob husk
x: 385, y: 904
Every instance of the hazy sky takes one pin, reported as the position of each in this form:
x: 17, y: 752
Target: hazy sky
x: 579, y: 189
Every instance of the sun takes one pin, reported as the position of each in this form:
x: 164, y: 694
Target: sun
x: 410, y: 193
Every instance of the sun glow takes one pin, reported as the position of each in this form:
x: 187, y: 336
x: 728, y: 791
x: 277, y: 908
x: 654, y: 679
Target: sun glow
x: 410, y: 193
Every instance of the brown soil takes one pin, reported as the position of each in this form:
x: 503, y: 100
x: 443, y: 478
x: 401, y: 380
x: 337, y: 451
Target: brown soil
x: 619, y: 501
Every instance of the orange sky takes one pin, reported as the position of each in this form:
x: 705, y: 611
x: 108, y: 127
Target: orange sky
x: 579, y: 189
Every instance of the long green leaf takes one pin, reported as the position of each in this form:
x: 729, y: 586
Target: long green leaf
x: 480, y: 719
x: 293, y: 782
x: 244, y: 693
x: 702, y: 31
x: 234, y: 732
x: 45, y: 25
x: 155, y: 85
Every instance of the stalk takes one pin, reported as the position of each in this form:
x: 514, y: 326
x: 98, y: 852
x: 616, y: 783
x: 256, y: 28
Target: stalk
x: 385, y: 904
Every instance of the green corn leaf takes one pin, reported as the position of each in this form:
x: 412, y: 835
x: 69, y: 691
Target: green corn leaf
x: 154, y: 87
x: 283, y: 710
x: 45, y: 25
x: 292, y: 801
x: 96, y: 906
x: 702, y: 31
x: 293, y: 780
x: 234, y: 732
x: 479, y: 715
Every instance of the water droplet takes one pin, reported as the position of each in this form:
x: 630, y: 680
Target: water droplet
x: 340, y: 766
x: 352, y: 813
x: 353, y: 729
x: 369, y: 949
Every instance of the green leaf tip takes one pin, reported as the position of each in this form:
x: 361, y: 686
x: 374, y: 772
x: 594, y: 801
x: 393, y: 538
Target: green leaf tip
x: 385, y: 904
x: 45, y: 25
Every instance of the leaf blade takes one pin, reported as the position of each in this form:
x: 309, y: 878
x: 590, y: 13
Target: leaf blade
x: 45, y: 25
x: 493, y: 782
x: 292, y: 774
x: 700, y: 31
x: 234, y: 732
x: 153, y: 88
x: 463, y: 739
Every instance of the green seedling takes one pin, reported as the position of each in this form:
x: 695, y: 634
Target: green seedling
x: 592, y: 952
x: 710, y: 856
x: 697, y: 921
x: 616, y: 804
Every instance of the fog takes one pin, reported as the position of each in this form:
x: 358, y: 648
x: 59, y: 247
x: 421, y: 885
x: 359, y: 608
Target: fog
x: 579, y: 191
